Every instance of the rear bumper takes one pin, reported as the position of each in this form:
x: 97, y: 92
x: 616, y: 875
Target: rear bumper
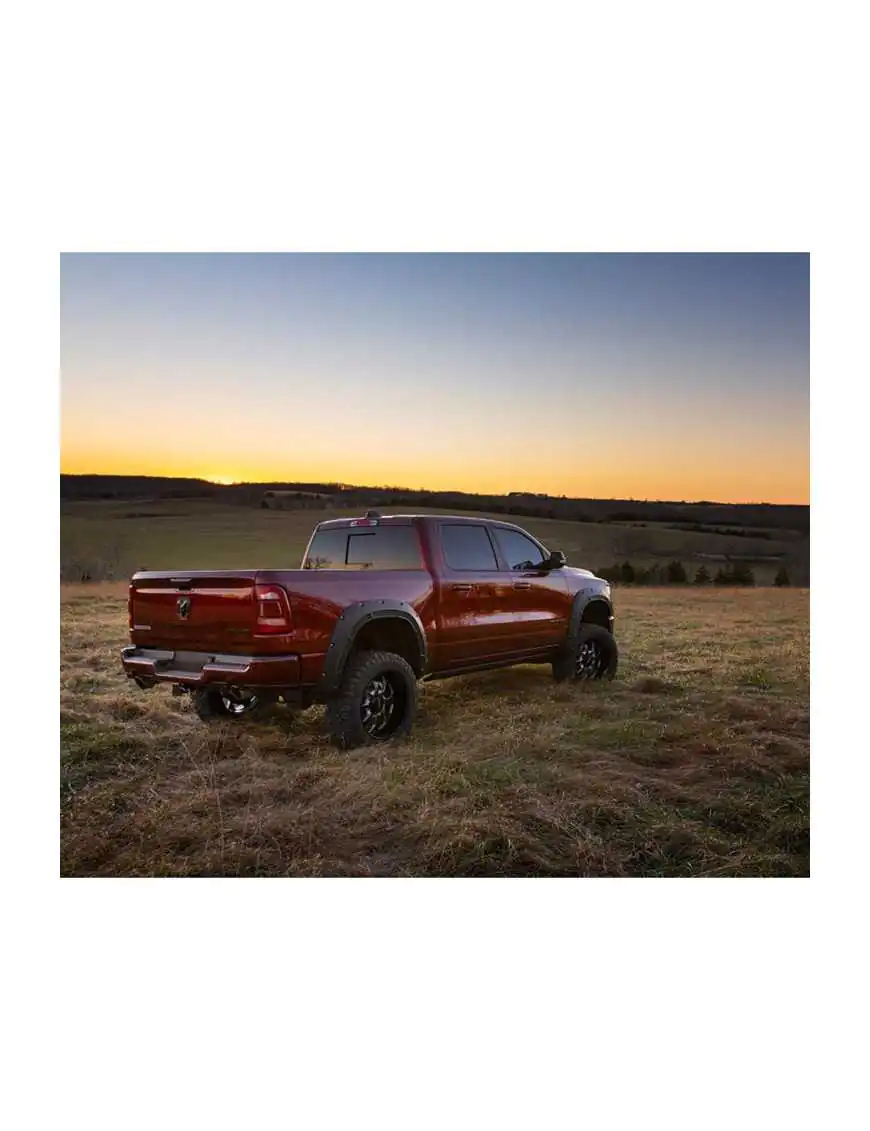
x: 196, y: 669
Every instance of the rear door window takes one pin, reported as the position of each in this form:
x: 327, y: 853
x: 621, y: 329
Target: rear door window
x: 382, y: 547
x: 467, y: 547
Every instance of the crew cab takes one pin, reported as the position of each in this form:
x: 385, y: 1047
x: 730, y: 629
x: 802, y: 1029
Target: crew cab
x: 379, y: 603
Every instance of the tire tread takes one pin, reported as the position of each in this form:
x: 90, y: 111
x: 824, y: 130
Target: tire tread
x: 563, y: 664
x: 342, y: 711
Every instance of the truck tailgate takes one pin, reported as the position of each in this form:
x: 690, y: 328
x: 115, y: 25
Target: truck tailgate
x: 194, y: 611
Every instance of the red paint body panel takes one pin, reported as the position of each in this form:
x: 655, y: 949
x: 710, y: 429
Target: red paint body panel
x: 319, y: 597
x: 468, y: 617
x: 487, y: 615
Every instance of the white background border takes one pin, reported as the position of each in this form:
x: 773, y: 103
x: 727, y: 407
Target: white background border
x: 398, y: 126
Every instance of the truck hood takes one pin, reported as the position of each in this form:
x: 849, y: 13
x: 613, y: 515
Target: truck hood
x: 586, y: 574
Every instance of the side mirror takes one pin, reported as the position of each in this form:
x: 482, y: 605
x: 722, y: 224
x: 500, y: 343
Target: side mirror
x: 556, y: 560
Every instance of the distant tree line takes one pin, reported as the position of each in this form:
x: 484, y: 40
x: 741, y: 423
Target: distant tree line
x: 674, y: 573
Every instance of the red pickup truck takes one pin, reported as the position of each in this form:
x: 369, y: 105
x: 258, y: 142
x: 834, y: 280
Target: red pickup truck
x: 379, y: 603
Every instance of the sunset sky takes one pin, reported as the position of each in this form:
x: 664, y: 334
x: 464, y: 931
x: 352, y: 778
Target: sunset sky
x: 645, y: 376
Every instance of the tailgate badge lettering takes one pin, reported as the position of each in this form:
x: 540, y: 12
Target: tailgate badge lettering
x: 183, y: 607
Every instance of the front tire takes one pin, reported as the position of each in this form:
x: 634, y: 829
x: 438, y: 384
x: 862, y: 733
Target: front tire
x: 592, y: 654
x: 377, y: 700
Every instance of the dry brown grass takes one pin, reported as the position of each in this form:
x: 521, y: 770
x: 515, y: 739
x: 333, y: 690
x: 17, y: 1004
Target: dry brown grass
x: 694, y: 762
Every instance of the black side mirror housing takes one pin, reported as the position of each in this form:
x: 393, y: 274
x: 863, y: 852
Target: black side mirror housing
x: 556, y: 560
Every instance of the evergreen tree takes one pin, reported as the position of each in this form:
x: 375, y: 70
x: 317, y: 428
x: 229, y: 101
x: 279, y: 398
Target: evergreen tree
x: 702, y: 577
x: 782, y: 577
x: 676, y: 574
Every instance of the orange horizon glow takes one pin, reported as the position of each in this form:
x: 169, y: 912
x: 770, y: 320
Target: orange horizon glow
x: 603, y: 486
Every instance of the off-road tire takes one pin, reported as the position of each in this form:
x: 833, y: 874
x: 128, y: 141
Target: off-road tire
x: 344, y: 711
x: 209, y: 705
x: 604, y: 642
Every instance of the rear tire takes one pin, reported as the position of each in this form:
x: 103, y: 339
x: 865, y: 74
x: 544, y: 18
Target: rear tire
x: 377, y: 700
x: 592, y: 654
x: 212, y: 703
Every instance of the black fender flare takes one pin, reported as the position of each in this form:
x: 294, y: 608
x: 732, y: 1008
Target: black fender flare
x: 582, y: 600
x: 348, y: 625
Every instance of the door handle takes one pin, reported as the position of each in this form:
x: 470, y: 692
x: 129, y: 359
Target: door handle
x: 522, y: 585
x: 462, y: 586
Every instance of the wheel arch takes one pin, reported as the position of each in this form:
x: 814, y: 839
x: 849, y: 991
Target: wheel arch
x: 385, y: 625
x: 590, y: 608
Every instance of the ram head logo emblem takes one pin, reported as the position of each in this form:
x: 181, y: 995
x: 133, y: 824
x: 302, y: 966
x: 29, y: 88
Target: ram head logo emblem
x: 183, y: 607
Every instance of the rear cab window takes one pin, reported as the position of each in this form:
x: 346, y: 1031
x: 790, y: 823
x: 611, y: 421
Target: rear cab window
x: 389, y: 547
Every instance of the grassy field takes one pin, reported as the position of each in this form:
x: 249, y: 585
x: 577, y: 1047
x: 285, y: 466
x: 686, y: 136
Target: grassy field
x: 694, y: 762
x: 192, y: 533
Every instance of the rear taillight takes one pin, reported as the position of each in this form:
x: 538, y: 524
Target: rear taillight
x: 273, y: 609
x: 130, y: 592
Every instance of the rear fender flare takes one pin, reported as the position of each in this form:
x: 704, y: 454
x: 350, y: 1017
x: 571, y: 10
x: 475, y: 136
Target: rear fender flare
x: 349, y: 624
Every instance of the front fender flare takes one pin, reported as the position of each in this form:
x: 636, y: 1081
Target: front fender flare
x: 581, y: 601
